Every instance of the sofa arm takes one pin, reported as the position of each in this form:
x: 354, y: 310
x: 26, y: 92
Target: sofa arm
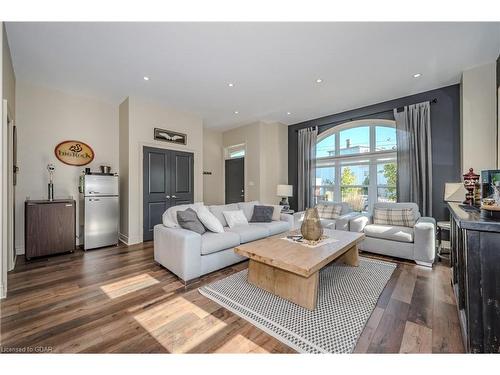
x: 342, y: 222
x: 288, y: 218
x: 178, y: 250
x: 358, y: 223
x: 425, y: 240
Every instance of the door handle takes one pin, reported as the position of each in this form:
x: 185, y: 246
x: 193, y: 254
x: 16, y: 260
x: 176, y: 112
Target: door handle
x: 93, y: 192
x: 168, y: 197
x: 173, y: 196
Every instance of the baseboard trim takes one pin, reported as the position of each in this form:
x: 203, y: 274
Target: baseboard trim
x: 129, y: 240
x: 20, y: 250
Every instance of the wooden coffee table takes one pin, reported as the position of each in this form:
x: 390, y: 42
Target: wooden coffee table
x: 291, y: 270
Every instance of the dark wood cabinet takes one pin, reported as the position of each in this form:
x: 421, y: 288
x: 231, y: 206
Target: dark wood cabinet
x: 49, y: 227
x: 475, y: 260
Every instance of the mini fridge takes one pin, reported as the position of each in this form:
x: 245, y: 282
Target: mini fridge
x: 99, y: 210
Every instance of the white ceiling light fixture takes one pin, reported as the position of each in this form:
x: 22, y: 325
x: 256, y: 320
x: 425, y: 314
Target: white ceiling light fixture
x: 230, y: 84
x: 236, y: 112
x: 417, y: 75
x: 319, y: 80
x: 288, y: 113
x: 146, y: 78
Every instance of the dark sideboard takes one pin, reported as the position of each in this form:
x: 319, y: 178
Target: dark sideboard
x: 49, y: 227
x: 475, y: 261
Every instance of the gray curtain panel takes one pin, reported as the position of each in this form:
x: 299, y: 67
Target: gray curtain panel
x: 413, y: 134
x: 306, y: 167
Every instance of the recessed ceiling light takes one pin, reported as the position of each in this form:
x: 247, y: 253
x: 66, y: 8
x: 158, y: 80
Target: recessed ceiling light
x: 230, y: 84
x: 288, y: 113
x: 416, y: 75
x: 319, y: 80
x: 146, y: 78
x: 236, y: 112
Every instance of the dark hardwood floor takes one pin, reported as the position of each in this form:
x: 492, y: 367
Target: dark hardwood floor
x: 119, y: 300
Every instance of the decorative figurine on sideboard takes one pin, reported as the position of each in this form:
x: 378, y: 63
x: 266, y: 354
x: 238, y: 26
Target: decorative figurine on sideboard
x: 470, y: 181
x: 51, y: 168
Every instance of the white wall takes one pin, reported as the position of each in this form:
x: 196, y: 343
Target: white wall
x: 478, y: 118
x: 266, y: 158
x: 123, y: 124
x: 273, y: 159
x: 46, y: 117
x: 213, y: 161
x: 8, y: 94
x: 143, y: 117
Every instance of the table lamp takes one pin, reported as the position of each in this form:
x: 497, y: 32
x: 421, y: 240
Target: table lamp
x: 284, y: 191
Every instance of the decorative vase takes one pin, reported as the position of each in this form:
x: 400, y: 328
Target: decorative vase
x: 470, y: 180
x: 311, y: 228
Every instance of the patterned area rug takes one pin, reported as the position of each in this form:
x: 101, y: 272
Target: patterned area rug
x: 347, y: 297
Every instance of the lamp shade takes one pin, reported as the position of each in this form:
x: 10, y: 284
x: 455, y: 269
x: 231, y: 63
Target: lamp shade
x: 284, y: 190
x: 454, y: 192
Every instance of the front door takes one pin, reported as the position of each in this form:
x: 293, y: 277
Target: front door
x: 167, y: 181
x: 235, y: 180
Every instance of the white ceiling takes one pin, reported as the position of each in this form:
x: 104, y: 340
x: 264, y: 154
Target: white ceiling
x: 274, y: 66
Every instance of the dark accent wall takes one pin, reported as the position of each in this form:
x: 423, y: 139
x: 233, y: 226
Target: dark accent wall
x: 445, y: 130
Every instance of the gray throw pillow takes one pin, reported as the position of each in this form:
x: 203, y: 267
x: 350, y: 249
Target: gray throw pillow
x: 188, y: 219
x: 262, y: 214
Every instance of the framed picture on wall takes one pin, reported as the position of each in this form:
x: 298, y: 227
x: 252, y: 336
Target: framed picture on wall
x: 170, y: 136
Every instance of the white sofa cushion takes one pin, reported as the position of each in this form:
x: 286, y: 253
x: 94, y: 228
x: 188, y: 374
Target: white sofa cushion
x: 250, y: 232
x: 276, y: 211
x: 389, y: 232
x: 328, y: 223
x: 235, y: 218
x: 214, y: 242
x: 247, y: 208
x: 169, y: 217
x: 218, y: 209
x: 209, y: 220
x: 275, y: 227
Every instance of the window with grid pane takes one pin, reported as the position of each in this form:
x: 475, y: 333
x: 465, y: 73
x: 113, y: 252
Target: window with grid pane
x: 356, y: 163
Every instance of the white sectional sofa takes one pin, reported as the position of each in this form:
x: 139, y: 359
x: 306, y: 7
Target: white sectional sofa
x: 190, y: 255
x: 415, y: 243
x: 340, y: 223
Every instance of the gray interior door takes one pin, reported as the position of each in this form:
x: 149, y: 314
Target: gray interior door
x: 167, y: 181
x: 235, y: 180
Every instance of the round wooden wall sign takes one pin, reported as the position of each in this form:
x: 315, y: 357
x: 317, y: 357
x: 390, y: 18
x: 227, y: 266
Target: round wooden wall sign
x: 74, y: 153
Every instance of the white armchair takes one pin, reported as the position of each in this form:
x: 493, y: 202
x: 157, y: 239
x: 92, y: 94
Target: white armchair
x: 416, y: 243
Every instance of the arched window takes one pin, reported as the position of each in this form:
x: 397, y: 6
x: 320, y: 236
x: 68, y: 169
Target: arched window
x: 356, y: 163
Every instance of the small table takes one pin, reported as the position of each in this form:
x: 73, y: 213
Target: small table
x: 442, y: 226
x: 291, y: 270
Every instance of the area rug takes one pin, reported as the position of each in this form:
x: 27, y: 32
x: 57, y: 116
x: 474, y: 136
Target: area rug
x: 347, y: 297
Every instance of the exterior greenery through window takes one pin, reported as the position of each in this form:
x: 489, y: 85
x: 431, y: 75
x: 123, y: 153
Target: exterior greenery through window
x: 356, y: 163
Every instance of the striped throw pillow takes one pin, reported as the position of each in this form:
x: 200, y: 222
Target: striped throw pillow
x: 402, y: 217
x: 329, y: 211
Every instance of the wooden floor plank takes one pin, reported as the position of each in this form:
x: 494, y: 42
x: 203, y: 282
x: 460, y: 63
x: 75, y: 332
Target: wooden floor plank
x: 416, y: 339
x: 118, y: 300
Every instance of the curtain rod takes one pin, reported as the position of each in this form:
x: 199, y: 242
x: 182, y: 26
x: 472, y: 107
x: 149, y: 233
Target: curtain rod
x: 433, y: 101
